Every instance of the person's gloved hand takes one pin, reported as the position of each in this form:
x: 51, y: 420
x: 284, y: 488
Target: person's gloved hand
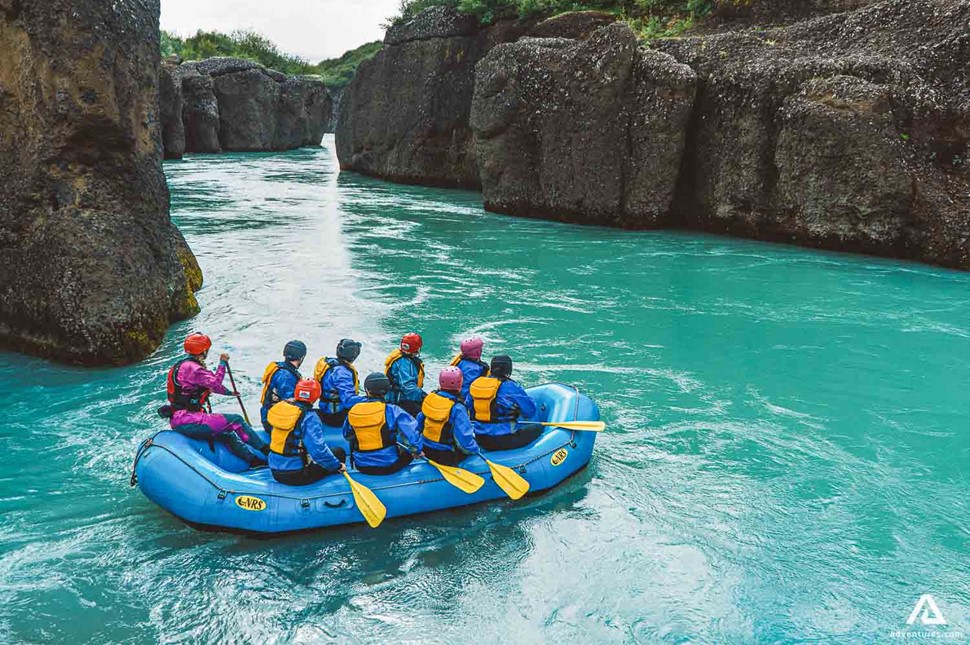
x: 223, y: 357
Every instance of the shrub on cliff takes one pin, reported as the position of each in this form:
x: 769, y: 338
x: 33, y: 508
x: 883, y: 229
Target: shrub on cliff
x: 239, y: 44
x: 645, y: 15
x: 337, y: 72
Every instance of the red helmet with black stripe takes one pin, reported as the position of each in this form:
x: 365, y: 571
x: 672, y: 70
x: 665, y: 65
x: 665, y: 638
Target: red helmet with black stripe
x: 197, y: 344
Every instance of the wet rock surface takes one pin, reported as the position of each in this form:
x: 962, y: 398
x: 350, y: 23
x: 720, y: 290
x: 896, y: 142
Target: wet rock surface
x: 93, y: 270
x: 590, y: 131
x: 238, y: 105
x: 405, y: 115
x: 841, y: 124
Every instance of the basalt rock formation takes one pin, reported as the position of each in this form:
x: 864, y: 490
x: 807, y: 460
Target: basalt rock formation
x: 405, y: 115
x: 841, y: 124
x: 847, y: 131
x: 555, y: 139
x: 93, y: 269
x: 238, y: 105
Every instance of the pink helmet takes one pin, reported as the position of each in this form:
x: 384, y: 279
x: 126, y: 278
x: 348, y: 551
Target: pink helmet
x: 472, y: 348
x: 450, y: 379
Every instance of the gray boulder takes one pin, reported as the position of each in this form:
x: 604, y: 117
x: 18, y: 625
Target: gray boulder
x: 589, y: 131
x: 170, y: 111
x: 93, y: 269
x: 200, y: 111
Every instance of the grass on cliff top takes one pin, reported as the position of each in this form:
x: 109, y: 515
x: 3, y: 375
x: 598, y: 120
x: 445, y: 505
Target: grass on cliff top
x: 649, y: 18
x: 336, y: 72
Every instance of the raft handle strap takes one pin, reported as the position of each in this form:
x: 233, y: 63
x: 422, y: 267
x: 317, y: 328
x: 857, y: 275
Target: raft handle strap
x: 340, y: 504
x: 138, y: 455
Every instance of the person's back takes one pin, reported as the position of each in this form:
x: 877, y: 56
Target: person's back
x: 383, y: 437
x: 339, y: 383
x: 299, y: 454
x: 444, y: 422
x: 496, y: 403
x: 469, y: 361
x: 280, y: 378
x: 405, y: 371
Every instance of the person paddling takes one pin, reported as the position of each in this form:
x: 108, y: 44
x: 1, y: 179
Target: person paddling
x: 496, y: 403
x: 405, y: 370
x: 444, y: 422
x: 280, y: 379
x: 189, y: 386
x: 383, y: 437
x: 339, y: 382
x: 469, y: 361
x: 299, y: 455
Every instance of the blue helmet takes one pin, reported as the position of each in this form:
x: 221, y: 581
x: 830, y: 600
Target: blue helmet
x: 295, y: 350
x: 348, y: 350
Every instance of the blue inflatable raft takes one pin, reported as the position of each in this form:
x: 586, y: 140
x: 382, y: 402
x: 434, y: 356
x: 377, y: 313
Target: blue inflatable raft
x: 208, y: 487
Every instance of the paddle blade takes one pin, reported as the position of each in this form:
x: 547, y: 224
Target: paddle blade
x: 583, y: 426
x: 514, y: 485
x: 459, y: 477
x: 370, y: 507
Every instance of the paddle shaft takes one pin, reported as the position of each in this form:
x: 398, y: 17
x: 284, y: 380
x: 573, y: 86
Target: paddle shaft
x: 232, y: 382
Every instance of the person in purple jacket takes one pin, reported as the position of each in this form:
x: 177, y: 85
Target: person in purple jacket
x: 189, y: 385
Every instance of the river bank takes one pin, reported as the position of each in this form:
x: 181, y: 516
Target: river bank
x: 833, y: 125
x: 763, y: 402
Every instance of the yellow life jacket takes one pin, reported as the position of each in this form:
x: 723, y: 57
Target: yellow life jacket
x: 330, y: 394
x: 368, y: 421
x: 394, y: 356
x: 484, y: 392
x: 287, y: 436
x: 437, y: 418
x: 268, y: 397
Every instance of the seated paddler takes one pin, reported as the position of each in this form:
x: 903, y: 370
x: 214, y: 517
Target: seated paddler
x: 496, y: 403
x: 299, y: 455
x: 444, y: 421
x: 189, y: 385
x: 280, y: 378
x: 339, y: 382
x: 469, y: 361
x: 405, y: 370
x: 383, y: 437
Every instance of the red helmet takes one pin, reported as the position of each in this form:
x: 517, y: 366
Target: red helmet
x: 450, y: 379
x: 411, y: 343
x: 197, y: 344
x: 307, y: 391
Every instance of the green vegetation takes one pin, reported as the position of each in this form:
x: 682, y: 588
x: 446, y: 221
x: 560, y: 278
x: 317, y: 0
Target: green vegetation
x: 336, y: 72
x: 649, y: 18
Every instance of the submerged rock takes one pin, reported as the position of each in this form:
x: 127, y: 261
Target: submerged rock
x: 93, y: 269
x: 587, y: 131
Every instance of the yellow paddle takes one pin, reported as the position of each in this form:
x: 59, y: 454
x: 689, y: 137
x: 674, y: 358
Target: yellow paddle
x: 459, y: 477
x: 585, y: 426
x: 514, y: 485
x: 370, y: 507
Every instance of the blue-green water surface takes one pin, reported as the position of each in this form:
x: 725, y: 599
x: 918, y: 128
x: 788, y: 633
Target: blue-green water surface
x: 786, y: 456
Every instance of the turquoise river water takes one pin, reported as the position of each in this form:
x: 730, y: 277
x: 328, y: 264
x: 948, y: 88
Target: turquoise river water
x: 786, y: 458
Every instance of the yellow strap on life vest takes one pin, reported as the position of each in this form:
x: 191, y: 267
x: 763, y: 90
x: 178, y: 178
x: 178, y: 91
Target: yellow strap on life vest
x: 396, y: 354
x: 283, y: 417
x: 320, y: 369
x: 356, y: 378
x: 484, y: 391
x: 456, y: 359
x: 437, y: 411
x: 368, y: 421
x: 267, y: 378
